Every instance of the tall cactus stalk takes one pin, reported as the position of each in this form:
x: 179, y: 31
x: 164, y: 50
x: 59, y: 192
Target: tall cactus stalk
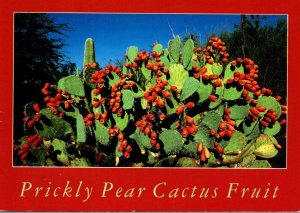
x: 89, y: 52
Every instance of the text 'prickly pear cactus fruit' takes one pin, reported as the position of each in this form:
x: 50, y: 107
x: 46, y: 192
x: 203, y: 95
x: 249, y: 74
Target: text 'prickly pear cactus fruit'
x: 179, y: 106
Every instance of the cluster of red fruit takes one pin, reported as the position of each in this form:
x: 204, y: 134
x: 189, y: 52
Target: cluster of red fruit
x: 217, y: 46
x: 55, y: 98
x: 115, y: 98
x: 123, y: 147
x: 226, y: 126
x: 98, y: 77
x: 186, y: 124
x: 145, y: 125
x: 141, y: 57
x: 90, y: 118
x: 29, y: 119
x: 155, y: 95
x: 32, y: 141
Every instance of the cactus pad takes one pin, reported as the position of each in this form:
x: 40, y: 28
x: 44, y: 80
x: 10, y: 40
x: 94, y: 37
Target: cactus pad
x: 190, y: 86
x: 265, y: 146
x: 73, y: 85
x: 172, y: 141
x: 51, y: 126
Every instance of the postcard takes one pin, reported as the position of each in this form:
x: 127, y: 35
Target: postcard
x: 149, y: 106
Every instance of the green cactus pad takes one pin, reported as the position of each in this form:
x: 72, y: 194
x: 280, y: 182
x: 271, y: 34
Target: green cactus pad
x: 236, y: 143
x: 178, y: 75
x: 270, y: 103
x: 37, y: 157
x: 187, y: 53
x: 113, y: 78
x: 171, y: 105
x: 128, y: 99
x: 232, y: 93
x: 190, y: 86
x: 121, y: 122
x: 141, y: 139
x: 193, y: 63
x: 80, y: 129
x: 190, y: 149
x: 229, y: 71
x: 132, y: 53
x: 204, y: 91
x: 172, y: 141
x: 146, y: 73
x: 260, y: 164
x: 89, y: 52
x: 209, y: 69
x: 248, y: 160
x: 186, y: 162
x: 165, y: 60
x: 174, y: 49
x: 239, y: 112
x: 220, y: 92
x: 264, y: 146
x: 62, y: 155
x: 212, y: 120
x: 220, y: 110
x: 217, y: 68
x: 158, y: 48
x: 101, y: 133
x: 166, y: 162
x: 248, y: 128
x: 203, y: 135
x: 73, y: 85
x: 273, y: 129
x: 51, y: 126
x: 80, y: 162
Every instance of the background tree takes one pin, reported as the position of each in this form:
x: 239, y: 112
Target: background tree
x: 266, y: 45
x: 37, y: 59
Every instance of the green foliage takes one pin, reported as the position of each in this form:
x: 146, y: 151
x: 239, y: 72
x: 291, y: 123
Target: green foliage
x: 101, y: 134
x: 51, y: 126
x: 73, y: 85
x: 270, y: 103
x: 158, y: 48
x: 187, y: 53
x: 239, y: 111
x: 128, y: 99
x: 178, y: 75
x: 174, y: 49
x: 141, y: 139
x: 132, y: 53
x: 190, y: 86
x: 172, y: 141
x: 80, y: 129
x: 203, y: 135
x: 59, y: 147
x: 265, y: 146
x: 236, y: 142
x: 212, y: 120
x: 186, y: 162
x: 204, y: 90
x: 272, y: 129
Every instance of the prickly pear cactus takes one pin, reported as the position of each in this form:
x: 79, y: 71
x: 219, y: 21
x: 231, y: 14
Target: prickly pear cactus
x: 177, y: 106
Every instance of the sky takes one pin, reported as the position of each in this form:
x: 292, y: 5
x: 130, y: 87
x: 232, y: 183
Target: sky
x: 114, y: 33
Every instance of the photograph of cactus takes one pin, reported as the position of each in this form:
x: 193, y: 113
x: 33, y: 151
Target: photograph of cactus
x: 211, y: 96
